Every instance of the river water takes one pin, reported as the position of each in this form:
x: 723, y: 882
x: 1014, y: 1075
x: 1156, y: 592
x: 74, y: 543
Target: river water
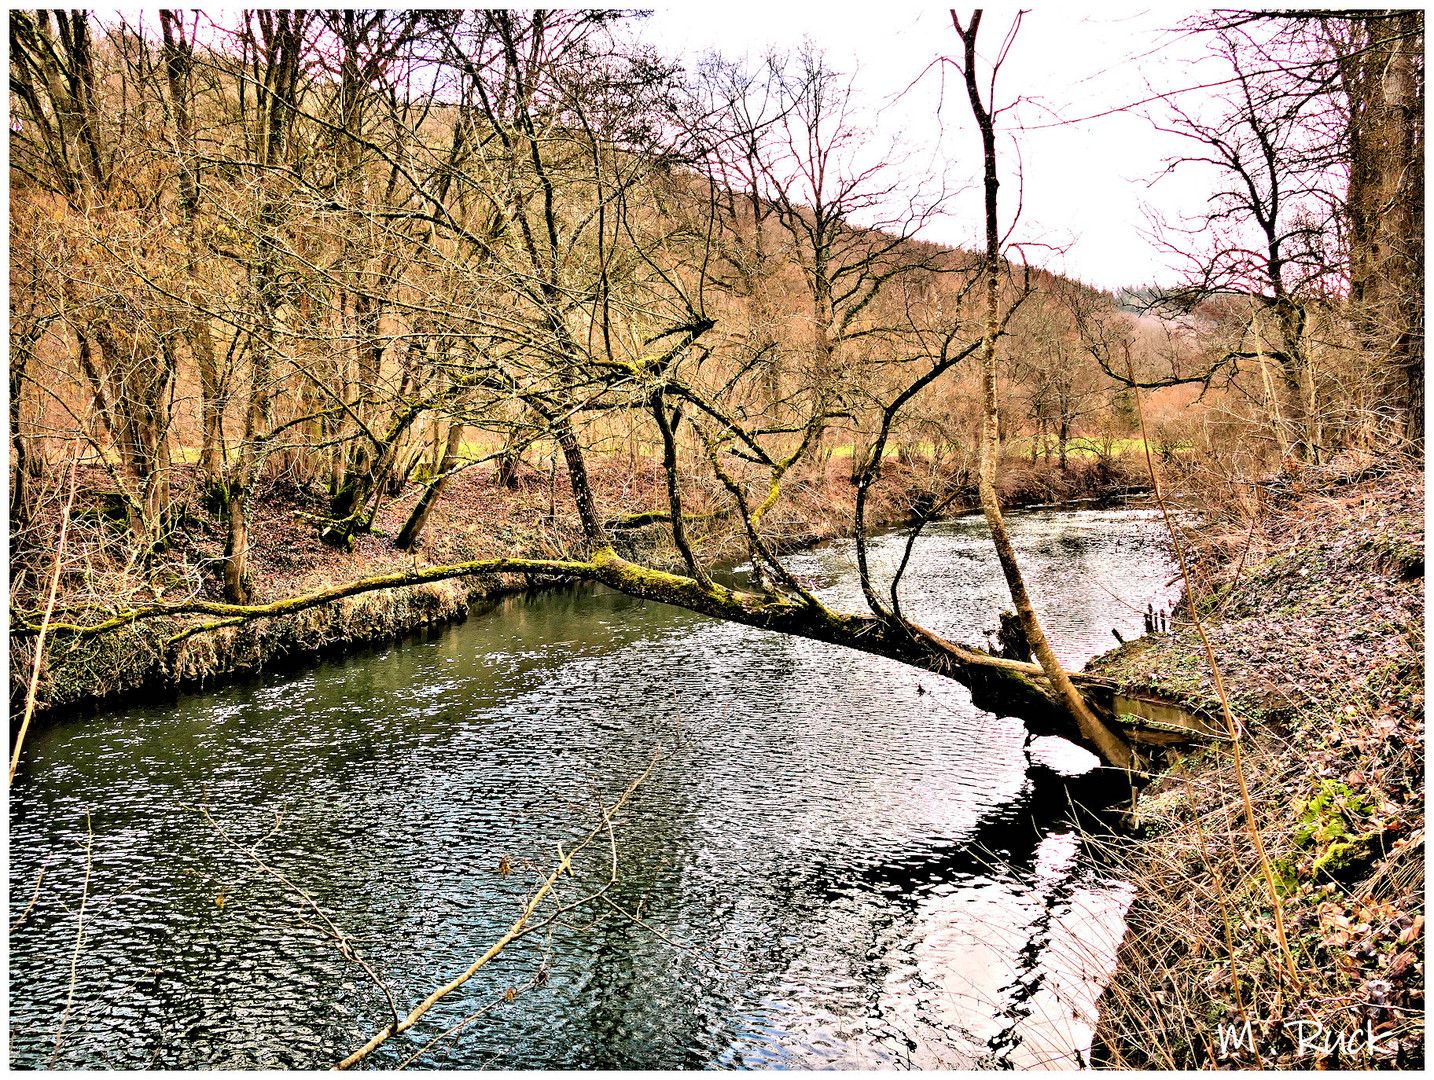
x: 845, y: 863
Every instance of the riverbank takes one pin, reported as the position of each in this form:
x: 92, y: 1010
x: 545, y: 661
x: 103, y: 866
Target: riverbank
x: 476, y: 519
x: 1314, y: 608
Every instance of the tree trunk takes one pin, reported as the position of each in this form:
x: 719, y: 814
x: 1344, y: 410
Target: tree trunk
x: 1384, y: 207
x: 578, y: 480
x: 1112, y: 747
x: 178, y: 54
x: 510, y: 459
x: 408, y: 535
x: 20, y: 468
x: 1272, y: 395
x: 1300, y: 407
x: 236, y: 549
x: 257, y: 416
x: 24, y: 464
x: 140, y: 378
x: 1405, y: 223
x: 211, y: 454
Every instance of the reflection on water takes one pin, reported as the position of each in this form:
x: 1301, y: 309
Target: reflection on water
x: 856, y: 866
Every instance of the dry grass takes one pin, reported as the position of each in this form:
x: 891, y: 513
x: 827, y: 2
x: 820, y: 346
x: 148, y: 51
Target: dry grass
x: 1317, y: 621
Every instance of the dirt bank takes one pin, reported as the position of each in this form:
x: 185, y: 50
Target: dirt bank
x: 476, y: 519
x: 1315, y: 609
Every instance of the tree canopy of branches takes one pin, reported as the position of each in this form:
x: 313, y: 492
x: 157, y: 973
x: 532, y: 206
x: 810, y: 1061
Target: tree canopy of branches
x: 1312, y: 251
x: 322, y: 245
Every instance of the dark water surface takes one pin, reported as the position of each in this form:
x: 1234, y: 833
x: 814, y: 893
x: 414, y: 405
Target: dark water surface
x: 847, y: 865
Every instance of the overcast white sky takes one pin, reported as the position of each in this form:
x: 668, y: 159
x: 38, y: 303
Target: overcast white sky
x: 1084, y: 182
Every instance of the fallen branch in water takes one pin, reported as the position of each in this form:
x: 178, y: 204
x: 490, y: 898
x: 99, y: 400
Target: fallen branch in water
x: 1016, y: 687
x: 345, y: 943
x: 520, y: 928
x: 506, y: 998
x: 79, y: 937
x: 31, y: 905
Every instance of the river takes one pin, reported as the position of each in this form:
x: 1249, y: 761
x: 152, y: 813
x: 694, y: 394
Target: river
x: 846, y: 864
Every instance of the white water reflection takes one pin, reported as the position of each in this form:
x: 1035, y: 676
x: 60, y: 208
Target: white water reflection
x: 1007, y: 974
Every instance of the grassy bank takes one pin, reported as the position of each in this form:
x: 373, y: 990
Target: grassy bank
x: 476, y: 519
x: 1314, y: 607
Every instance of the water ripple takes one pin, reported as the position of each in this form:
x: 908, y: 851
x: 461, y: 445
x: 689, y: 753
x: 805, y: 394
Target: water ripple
x: 855, y: 854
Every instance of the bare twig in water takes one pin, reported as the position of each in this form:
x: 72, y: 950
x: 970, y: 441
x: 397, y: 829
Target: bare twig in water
x: 345, y: 943
x: 31, y: 905
x: 506, y: 998
x: 79, y: 936
x: 520, y: 928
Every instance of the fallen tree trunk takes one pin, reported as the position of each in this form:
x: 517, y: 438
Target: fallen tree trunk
x: 1006, y: 687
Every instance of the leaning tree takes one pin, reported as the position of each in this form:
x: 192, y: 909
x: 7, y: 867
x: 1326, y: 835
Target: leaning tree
x: 563, y: 256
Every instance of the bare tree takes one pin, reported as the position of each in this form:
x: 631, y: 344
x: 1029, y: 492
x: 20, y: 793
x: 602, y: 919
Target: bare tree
x: 178, y: 55
x: 844, y: 215
x: 99, y: 179
x: 1264, y: 236
x: 1112, y: 747
x: 1062, y: 383
x: 1318, y: 141
x: 550, y: 255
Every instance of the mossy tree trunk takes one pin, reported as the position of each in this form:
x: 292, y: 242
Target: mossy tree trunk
x: 408, y: 535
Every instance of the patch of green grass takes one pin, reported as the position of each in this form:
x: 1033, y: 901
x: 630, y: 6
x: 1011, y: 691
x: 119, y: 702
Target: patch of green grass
x: 846, y: 450
x: 1080, y: 447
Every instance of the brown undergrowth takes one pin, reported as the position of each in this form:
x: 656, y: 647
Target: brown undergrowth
x: 476, y: 519
x: 1314, y: 608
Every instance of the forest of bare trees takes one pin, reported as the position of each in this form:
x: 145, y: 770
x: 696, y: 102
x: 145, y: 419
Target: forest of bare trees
x: 317, y: 314
x: 355, y: 254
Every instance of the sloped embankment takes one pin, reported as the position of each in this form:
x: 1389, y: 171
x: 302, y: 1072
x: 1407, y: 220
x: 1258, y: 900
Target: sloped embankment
x: 1316, y: 618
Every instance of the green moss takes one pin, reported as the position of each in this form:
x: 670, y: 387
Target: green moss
x: 1343, y: 855
x: 1328, y: 816
x: 1399, y: 554
x: 1287, y: 875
